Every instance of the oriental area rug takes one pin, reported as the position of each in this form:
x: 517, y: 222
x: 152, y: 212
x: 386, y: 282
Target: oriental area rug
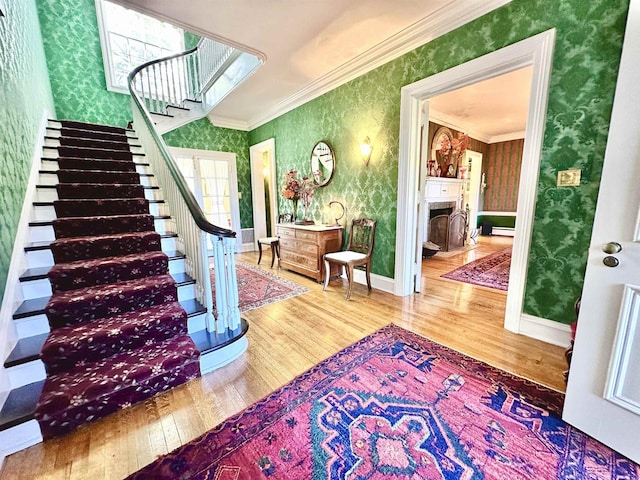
x: 490, y: 271
x: 396, y: 405
x: 257, y: 288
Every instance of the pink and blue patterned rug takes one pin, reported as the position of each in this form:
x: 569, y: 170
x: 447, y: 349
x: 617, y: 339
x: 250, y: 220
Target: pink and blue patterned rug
x: 490, y: 271
x: 396, y: 405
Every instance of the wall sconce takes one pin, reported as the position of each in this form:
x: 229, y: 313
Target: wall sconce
x: 341, y: 211
x: 366, y: 148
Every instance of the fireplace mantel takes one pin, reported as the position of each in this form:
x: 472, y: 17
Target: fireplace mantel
x: 439, y: 189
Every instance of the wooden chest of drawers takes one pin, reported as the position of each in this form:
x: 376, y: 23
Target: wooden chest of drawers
x: 302, y: 248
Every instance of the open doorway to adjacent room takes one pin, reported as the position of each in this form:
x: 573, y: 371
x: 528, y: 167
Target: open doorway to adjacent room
x: 473, y: 151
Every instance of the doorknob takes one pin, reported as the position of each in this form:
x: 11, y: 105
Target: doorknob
x: 610, y: 261
x: 612, y: 247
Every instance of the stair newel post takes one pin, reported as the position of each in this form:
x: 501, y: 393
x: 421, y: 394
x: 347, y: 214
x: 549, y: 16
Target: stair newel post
x: 233, y: 321
x: 222, y: 306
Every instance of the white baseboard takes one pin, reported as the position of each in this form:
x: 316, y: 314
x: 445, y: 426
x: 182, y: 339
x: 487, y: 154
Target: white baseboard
x: 248, y: 247
x: 378, y: 282
x: 546, y: 330
x: 504, y: 231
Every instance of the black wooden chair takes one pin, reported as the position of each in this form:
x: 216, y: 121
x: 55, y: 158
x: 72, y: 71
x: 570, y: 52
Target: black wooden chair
x: 273, y: 242
x: 357, y: 253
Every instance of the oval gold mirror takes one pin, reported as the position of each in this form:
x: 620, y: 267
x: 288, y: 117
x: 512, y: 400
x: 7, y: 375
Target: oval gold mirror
x: 323, y: 163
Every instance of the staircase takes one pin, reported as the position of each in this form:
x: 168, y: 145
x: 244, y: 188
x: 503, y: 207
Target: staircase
x: 110, y: 315
x: 185, y: 87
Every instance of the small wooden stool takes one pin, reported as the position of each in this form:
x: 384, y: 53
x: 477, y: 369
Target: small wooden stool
x: 274, y: 243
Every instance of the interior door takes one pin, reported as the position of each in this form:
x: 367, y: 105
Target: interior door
x: 421, y: 203
x: 603, y: 394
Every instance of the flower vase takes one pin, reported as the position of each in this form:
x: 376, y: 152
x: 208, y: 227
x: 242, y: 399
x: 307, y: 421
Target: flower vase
x: 295, y: 209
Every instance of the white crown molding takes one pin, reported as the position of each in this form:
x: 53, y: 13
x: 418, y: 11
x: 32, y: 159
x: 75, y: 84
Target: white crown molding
x: 455, y: 123
x: 412, y: 37
x: 507, y: 137
x: 225, y: 122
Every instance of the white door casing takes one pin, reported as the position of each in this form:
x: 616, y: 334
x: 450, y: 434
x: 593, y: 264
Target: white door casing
x: 204, y: 163
x: 537, y: 52
x: 256, y: 154
x: 603, y: 393
x: 474, y: 179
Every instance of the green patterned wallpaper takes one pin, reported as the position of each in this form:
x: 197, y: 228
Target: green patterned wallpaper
x: 202, y: 134
x: 587, y: 53
x: 24, y: 95
x: 72, y: 45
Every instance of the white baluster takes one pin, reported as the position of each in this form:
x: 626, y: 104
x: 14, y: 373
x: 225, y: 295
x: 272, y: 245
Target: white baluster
x: 221, y: 285
x: 233, y: 320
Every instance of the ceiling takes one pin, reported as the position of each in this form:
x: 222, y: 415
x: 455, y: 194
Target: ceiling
x: 492, y: 111
x: 309, y: 46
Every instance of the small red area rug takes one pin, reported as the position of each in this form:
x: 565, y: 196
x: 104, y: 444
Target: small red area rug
x: 397, y: 406
x: 490, y: 271
x: 257, y: 288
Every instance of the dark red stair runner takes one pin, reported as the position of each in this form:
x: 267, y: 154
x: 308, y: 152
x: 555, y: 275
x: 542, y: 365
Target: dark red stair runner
x: 97, y: 176
x: 101, y: 246
x: 118, y: 336
x: 100, y: 207
x: 101, y: 225
x: 99, y: 190
x: 75, y: 163
x: 101, y: 271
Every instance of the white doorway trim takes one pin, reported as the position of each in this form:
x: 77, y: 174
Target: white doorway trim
x: 536, y: 51
x: 256, y: 155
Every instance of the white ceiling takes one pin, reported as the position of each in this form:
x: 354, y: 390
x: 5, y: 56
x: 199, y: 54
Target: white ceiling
x: 493, y: 110
x: 309, y: 46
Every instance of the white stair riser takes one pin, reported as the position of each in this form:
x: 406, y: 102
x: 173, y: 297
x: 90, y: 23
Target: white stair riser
x: 50, y: 194
x: 39, y: 258
x: 46, y: 213
x: 186, y: 292
x: 26, y: 373
x: 44, y: 233
x: 176, y: 266
x: 36, y: 288
x: 195, y: 323
x: 20, y: 437
x: 38, y: 324
x: 52, y: 179
x: 44, y: 258
x: 31, y: 326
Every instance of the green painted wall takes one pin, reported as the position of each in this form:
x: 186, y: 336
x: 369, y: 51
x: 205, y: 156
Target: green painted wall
x: 25, y: 94
x: 202, y: 134
x: 72, y: 45
x: 587, y: 53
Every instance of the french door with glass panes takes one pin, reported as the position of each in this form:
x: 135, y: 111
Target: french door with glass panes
x: 213, y: 179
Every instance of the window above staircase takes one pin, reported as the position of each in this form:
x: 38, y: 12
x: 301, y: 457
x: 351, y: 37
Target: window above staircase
x: 129, y: 39
x: 179, y: 83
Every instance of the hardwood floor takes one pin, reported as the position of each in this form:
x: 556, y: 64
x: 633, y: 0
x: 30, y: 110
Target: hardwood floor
x: 285, y: 339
